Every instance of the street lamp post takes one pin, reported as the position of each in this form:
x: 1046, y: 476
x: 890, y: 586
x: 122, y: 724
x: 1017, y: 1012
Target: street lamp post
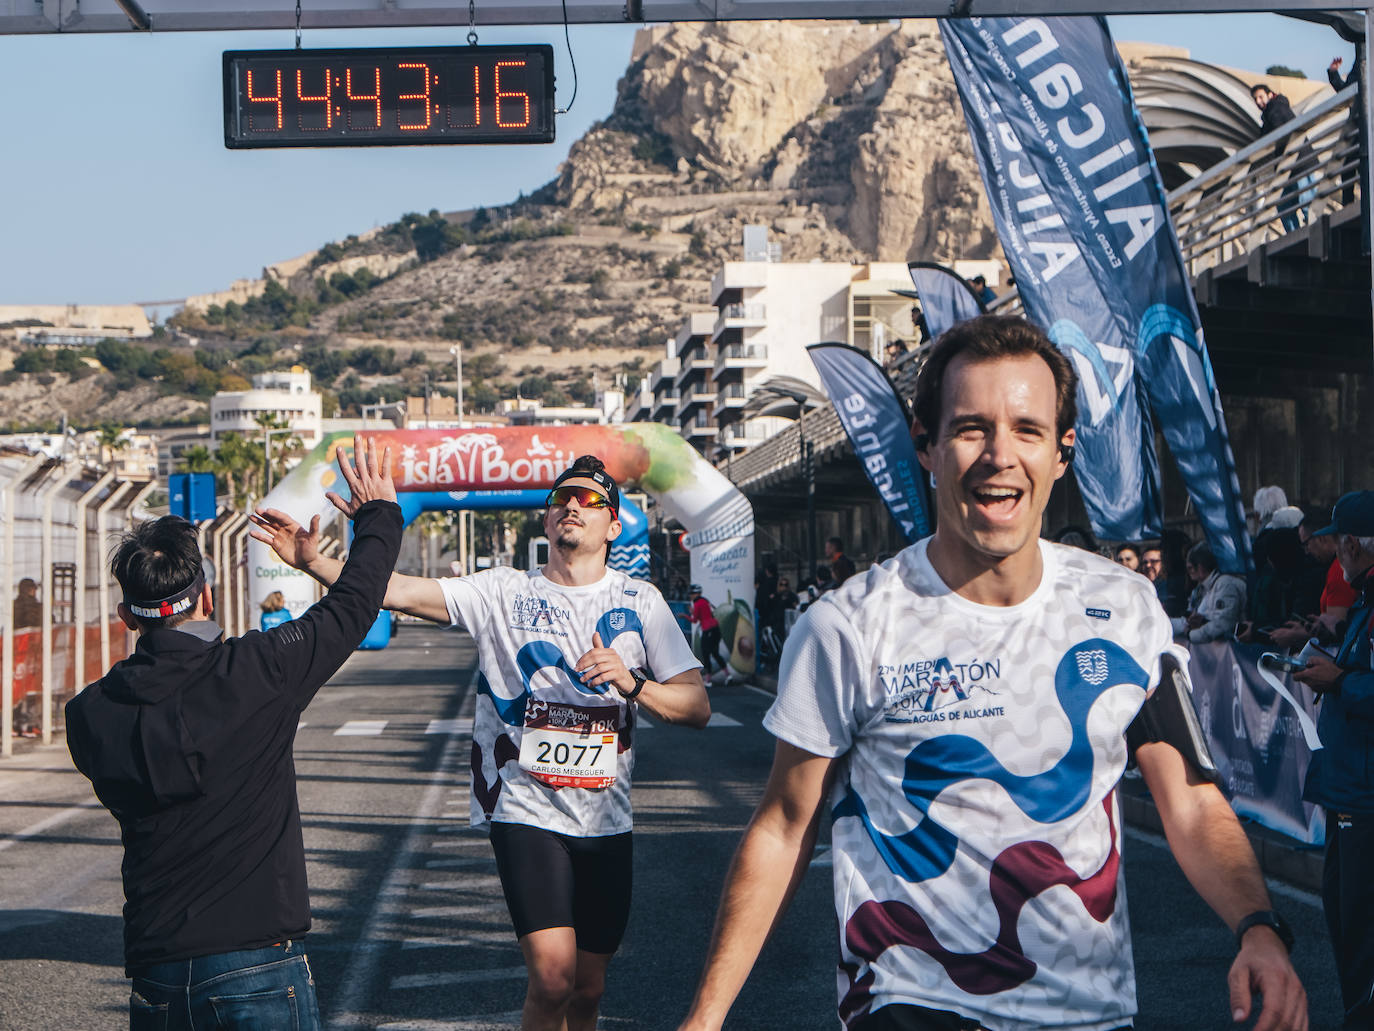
x: 457, y: 351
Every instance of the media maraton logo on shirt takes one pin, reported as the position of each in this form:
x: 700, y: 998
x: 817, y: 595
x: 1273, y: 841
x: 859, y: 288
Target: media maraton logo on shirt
x: 531, y: 612
x: 940, y: 690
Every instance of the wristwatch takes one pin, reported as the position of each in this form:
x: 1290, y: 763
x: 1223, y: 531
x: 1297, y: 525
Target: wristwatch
x: 1267, y: 918
x: 640, y: 680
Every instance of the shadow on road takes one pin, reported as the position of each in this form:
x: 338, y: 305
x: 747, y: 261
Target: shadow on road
x: 53, y: 934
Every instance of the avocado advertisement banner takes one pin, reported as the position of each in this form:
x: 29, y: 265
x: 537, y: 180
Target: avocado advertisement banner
x: 1083, y: 219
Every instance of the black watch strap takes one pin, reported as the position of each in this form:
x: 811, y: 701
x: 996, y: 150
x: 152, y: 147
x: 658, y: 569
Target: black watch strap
x: 1266, y: 918
x: 640, y: 680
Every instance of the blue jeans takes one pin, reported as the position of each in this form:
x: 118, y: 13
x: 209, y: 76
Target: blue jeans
x: 268, y: 989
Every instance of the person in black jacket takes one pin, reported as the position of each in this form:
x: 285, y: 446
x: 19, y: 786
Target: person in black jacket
x: 188, y: 743
x: 1298, y: 191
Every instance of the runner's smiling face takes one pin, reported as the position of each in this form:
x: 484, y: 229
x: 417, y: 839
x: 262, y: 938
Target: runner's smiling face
x: 996, y: 456
x: 572, y: 528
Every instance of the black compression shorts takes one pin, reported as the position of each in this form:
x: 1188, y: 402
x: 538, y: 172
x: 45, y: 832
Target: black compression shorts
x: 556, y: 880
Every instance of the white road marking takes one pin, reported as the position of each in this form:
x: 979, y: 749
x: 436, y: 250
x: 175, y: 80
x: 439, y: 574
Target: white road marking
x: 46, y: 824
x: 301, y: 725
x: 506, y: 937
x: 449, y: 727
x: 456, y: 977
x: 468, y: 1023
x: 357, y: 982
x: 361, y: 728
x: 466, y: 884
x: 719, y: 719
x: 758, y: 690
x: 441, y: 912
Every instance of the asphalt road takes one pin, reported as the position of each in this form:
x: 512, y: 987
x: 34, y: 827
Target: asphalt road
x: 410, y: 928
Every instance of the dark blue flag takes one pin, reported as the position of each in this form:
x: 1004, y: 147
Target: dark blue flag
x: 1081, y: 212
x: 945, y: 297
x: 879, y: 429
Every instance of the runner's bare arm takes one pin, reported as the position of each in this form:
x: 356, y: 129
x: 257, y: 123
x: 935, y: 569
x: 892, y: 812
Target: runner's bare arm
x: 1216, y: 857
x: 299, y: 548
x: 679, y: 699
x: 781, y: 836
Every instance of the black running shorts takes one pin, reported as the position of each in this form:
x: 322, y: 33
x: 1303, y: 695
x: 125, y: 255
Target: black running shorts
x: 556, y: 880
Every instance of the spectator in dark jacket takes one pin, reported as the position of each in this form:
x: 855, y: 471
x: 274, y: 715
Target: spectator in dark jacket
x: 1298, y: 191
x: 1341, y: 775
x: 188, y: 743
x: 1353, y: 132
x: 841, y: 565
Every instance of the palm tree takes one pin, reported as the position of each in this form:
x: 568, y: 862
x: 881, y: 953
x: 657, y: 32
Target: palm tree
x: 240, y: 463
x: 196, y: 459
x: 111, y: 439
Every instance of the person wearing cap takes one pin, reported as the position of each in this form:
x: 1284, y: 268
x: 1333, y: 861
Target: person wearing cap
x: 568, y: 654
x: 1341, y: 775
x: 188, y: 743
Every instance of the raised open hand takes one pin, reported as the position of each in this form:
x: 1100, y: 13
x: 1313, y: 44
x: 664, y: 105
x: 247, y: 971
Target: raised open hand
x: 368, y: 478
x: 293, y: 543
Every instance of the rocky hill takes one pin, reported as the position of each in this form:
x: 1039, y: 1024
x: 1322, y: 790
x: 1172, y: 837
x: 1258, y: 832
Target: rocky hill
x: 845, y: 139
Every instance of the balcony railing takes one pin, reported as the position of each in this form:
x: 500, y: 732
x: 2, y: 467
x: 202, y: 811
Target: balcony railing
x: 742, y: 353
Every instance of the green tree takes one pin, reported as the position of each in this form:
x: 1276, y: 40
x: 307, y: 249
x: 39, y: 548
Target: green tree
x: 196, y: 459
x: 112, y: 440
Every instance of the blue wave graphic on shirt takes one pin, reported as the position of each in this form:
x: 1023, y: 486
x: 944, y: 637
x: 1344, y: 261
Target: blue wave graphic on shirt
x: 926, y: 851
x: 539, y: 655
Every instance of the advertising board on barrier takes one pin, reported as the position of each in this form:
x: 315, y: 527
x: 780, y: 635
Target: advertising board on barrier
x: 1262, y: 731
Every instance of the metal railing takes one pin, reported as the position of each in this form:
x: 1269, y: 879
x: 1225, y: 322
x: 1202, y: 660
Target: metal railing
x: 741, y: 352
x: 1282, y: 181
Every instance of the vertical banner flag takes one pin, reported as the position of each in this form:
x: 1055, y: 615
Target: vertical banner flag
x: 945, y: 297
x: 878, y: 426
x: 1262, y: 730
x: 1081, y: 213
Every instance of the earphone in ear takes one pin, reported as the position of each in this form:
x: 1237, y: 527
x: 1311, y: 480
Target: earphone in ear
x: 1066, y: 453
x: 922, y: 441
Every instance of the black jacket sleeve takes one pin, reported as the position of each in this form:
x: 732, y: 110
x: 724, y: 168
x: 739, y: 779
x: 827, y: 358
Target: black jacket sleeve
x: 309, y: 650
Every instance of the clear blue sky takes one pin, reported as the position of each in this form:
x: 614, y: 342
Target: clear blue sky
x: 154, y: 207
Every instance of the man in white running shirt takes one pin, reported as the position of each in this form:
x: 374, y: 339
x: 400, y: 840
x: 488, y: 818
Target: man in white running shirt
x: 567, y: 654
x: 963, y: 709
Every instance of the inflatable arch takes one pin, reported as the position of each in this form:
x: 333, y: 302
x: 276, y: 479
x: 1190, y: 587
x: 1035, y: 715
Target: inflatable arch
x: 719, y: 519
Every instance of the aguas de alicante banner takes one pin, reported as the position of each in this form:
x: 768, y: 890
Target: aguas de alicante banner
x: 946, y: 299
x: 1080, y: 210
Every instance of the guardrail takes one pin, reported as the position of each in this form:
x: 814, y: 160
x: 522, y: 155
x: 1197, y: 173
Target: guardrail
x: 1282, y: 181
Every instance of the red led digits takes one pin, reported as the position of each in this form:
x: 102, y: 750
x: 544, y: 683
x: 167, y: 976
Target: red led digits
x: 416, y: 96
x: 324, y: 98
x: 375, y: 96
x: 476, y: 104
x: 265, y: 100
x: 509, y: 94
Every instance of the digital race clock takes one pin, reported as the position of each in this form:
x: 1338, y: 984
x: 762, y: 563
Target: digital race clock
x: 388, y: 96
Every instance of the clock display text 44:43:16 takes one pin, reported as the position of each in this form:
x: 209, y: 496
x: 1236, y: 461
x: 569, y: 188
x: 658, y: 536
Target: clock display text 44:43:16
x: 388, y: 96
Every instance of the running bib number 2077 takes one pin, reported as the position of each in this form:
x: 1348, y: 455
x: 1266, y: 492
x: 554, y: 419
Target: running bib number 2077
x: 570, y: 746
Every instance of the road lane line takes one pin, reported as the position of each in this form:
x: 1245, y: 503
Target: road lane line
x: 719, y: 719
x: 362, y: 967
x: 456, y: 864
x: 361, y: 728
x: 461, y: 726
x: 483, y: 938
x: 440, y: 912
x: 471, y: 1022
x: 46, y: 824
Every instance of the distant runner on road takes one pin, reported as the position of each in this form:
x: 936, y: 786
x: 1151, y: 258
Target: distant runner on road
x: 567, y: 654
x: 188, y: 743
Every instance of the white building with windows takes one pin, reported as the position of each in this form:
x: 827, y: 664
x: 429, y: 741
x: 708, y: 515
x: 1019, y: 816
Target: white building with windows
x: 285, y: 395
x: 766, y: 313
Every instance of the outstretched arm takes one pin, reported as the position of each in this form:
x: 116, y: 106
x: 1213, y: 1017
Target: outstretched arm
x: 769, y: 864
x: 1216, y: 857
x: 299, y: 547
